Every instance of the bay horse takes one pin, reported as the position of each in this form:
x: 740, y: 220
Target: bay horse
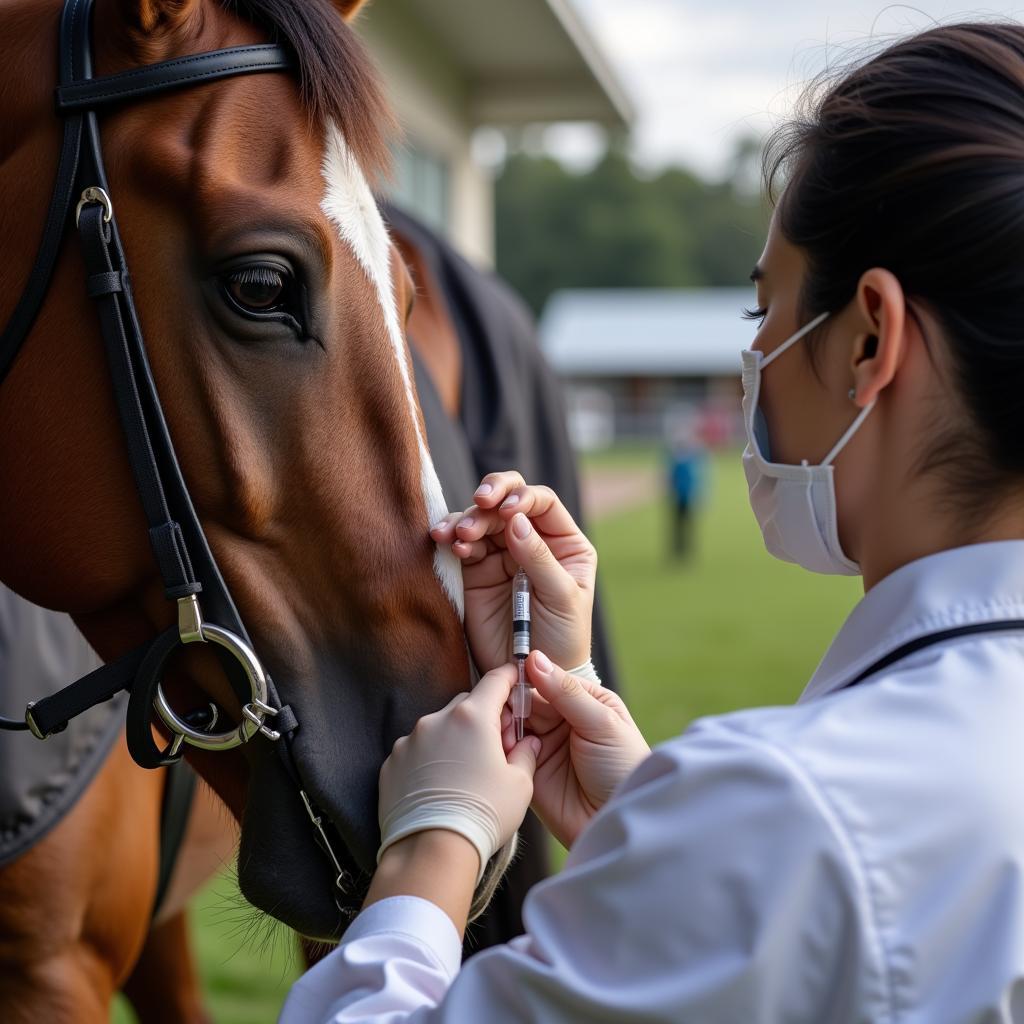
x: 272, y: 303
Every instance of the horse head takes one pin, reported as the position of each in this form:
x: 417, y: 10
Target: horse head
x: 273, y: 306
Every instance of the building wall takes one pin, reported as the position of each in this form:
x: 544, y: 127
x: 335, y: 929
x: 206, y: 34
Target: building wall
x: 435, y: 175
x: 603, y: 410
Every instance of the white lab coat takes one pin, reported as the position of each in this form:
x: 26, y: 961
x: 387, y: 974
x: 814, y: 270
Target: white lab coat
x: 856, y: 857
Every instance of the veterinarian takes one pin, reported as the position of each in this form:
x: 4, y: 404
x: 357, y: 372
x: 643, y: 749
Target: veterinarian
x: 860, y: 855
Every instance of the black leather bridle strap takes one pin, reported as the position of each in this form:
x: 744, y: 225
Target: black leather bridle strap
x: 78, y: 92
x: 110, y: 291
x: 52, y: 714
x: 181, y: 551
x: 182, y: 72
x: 177, y: 537
x: 179, y: 544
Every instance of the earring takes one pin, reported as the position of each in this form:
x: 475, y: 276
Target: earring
x: 853, y: 394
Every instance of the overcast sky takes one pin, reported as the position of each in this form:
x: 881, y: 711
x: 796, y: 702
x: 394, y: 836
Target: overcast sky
x: 701, y: 73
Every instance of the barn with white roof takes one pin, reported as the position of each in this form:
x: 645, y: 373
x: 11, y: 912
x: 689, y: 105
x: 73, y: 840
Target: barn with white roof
x: 634, y: 358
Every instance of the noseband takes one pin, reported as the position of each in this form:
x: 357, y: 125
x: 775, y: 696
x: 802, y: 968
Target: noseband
x: 191, y: 578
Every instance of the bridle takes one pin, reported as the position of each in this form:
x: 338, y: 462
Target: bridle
x: 186, y: 564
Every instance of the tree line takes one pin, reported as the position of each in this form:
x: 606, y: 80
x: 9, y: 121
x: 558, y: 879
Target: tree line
x: 612, y: 227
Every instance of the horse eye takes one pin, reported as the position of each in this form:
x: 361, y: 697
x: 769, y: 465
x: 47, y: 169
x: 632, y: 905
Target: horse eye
x: 265, y: 292
x: 257, y: 289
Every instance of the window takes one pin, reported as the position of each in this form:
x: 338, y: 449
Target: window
x: 421, y: 186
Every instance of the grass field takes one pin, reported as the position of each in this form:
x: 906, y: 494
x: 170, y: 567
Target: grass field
x: 731, y: 629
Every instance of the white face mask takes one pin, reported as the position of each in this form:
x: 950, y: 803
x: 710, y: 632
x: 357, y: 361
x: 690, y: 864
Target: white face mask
x: 795, y: 506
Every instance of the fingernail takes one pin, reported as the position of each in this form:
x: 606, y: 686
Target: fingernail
x: 542, y: 661
x: 439, y: 526
x: 512, y: 499
x: 467, y: 522
x: 521, y: 526
x: 483, y: 490
x: 534, y: 742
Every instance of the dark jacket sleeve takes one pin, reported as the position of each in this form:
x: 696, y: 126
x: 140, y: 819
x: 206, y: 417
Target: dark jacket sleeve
x: 541, y: 441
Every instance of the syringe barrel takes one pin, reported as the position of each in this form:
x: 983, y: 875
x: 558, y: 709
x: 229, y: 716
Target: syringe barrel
x: 521, y: 614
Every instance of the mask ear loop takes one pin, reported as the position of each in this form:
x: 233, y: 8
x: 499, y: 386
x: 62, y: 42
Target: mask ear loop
x: 806, y: 329
x: 851, y: 430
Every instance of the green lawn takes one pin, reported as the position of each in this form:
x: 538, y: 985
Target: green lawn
x: 247, y: 960
x: 733, y: 628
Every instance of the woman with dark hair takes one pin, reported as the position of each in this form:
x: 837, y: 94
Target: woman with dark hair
x: 860, y: 855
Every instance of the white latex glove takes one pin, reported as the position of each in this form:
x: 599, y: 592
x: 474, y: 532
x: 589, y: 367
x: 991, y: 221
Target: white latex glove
x: 452, y: 772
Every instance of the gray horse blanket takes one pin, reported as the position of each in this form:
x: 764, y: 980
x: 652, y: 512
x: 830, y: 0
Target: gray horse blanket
x: 40, y: 652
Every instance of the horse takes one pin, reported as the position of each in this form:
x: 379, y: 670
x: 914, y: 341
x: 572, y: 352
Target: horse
x: 472, y: 344
x: 272, y: 303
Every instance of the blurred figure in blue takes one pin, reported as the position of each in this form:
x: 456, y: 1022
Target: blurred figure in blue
x: 687, y: 478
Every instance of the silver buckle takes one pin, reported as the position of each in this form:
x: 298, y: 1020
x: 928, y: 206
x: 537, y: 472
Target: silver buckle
x: 94, y: 194
x: 30, y: 721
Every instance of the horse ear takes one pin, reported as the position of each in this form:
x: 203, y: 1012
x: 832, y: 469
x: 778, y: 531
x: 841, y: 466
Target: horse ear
x: 152, y: 17
x: 348, y: 9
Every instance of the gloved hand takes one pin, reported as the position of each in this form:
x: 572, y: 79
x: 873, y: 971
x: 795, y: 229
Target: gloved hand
x: 452, y: 772
x: 513, y: 524
x: 589, y: 744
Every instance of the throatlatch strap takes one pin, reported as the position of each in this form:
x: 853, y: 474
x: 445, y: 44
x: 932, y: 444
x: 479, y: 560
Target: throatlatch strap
x: 52, y: 714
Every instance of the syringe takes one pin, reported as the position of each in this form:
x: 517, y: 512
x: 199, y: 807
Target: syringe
x: 520, y: 649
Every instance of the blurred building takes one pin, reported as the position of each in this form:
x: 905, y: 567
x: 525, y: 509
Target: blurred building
x: 454, y: 66
x: 636, y: 361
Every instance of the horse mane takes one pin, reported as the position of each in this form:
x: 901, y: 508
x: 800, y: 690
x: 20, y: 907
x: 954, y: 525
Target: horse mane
x: 338, y: 80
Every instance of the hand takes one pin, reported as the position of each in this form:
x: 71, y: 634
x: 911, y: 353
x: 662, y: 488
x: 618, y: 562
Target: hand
x: 513, y: 525
x: 451, y: 772
x: 588, y: 745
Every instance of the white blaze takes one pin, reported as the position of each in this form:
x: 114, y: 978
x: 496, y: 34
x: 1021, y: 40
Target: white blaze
x: 350, y: 206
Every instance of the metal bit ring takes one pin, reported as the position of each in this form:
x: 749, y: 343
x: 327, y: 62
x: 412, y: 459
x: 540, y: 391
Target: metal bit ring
x: 255, y: 711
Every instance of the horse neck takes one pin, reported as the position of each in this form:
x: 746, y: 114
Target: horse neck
x: 431, y: 327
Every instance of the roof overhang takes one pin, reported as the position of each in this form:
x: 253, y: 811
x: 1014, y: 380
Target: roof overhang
x: 526, y: 61
x: 645, y: 332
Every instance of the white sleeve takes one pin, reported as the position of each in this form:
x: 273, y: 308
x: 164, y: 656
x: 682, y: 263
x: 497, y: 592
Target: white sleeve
x: 715, y: 887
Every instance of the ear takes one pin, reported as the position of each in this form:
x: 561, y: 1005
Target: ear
x: 156, y: 17
x: 879, y: 350
x: 348, y: 9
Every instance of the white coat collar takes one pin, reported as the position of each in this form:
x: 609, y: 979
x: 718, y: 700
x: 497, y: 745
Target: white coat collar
x: 962, y: 586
